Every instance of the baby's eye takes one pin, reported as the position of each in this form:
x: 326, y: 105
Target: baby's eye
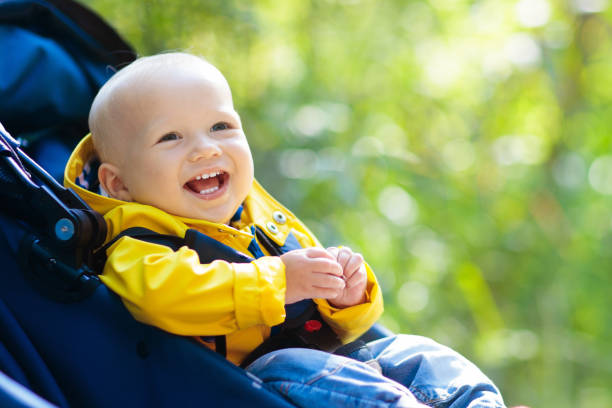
x: 168, y: 137
x: 219, y: 126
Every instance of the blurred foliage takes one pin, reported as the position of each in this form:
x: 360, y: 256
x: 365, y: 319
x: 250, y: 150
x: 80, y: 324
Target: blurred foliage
x: 463, y: 146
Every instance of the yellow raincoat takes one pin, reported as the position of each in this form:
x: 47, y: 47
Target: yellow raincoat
x: 173, y: 291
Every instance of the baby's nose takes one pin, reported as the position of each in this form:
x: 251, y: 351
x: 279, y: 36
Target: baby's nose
x: 204, y: 149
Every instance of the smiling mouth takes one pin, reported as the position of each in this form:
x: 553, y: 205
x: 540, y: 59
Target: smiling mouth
x: 206, y: 185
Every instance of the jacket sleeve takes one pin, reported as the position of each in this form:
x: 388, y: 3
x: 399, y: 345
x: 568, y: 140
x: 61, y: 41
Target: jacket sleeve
x: 351, y: 322
x: 173, y: 291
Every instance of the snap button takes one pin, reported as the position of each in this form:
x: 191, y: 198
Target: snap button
x: 272, y: 227
x: 279, y: 217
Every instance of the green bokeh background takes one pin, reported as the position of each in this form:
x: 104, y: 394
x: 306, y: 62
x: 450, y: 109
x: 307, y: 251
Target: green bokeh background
x: 463, y: 146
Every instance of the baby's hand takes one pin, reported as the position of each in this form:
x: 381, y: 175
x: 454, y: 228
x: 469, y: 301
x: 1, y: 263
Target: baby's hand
x: 355, y: 277
x: 311, y: 273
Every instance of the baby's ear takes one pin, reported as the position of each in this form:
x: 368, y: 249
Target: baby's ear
x: 112, y: 183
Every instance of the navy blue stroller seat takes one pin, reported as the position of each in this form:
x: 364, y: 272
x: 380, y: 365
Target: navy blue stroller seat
x: 92, y: 353
x: 65, y: 339
x: 55, y: 56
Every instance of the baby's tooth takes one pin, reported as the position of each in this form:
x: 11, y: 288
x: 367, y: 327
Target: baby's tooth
x: 207, y: 176
x: 209, y: 190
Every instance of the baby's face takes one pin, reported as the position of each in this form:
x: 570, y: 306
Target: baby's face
x: 185, y: 151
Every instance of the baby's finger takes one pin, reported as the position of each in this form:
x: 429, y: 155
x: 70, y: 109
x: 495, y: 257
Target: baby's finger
x: 353, y: 265
x: 344, y: 254
x: 325, y: 293
x: 333, y: 251
x: 357, y: 279
x: 326, y: 266
x: 325, y: 280
x: 316, y: 252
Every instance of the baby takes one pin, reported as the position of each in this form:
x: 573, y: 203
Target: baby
x: 174, y: 158
x: 163, y: 144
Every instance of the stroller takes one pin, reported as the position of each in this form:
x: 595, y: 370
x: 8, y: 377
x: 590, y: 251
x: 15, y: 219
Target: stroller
x: 65, y: 339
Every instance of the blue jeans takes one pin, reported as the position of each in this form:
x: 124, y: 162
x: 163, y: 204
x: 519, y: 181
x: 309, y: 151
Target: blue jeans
x: 398, y: 371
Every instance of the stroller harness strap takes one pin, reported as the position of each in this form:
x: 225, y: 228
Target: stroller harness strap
x: 303, y: 326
